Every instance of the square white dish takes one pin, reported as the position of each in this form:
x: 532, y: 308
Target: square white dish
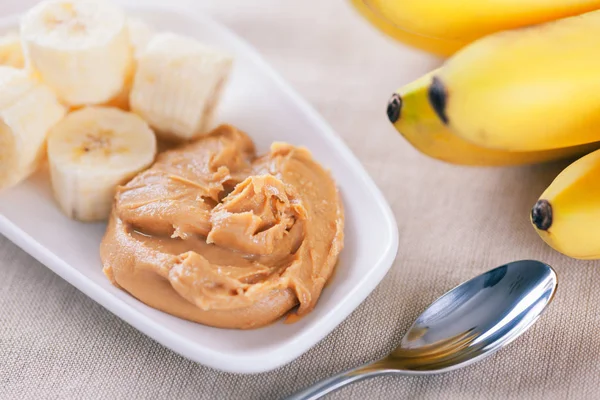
x: 259, y: 102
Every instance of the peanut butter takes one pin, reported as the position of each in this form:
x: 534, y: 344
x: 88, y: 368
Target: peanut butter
x: 214, y: 234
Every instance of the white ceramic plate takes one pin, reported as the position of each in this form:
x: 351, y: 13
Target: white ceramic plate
x: 259, y: 102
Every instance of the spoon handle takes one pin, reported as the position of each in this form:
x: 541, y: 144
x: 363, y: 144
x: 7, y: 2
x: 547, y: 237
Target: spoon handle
x: 336, y: 382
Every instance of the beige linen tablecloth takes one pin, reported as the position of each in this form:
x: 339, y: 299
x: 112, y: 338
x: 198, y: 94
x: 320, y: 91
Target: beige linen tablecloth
x: 454, y: 223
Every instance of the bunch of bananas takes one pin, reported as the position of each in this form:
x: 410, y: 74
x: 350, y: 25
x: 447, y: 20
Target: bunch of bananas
x: 521, y: 86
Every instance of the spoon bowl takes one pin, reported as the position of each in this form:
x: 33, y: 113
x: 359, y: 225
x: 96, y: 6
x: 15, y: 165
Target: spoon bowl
x: 467, y: 324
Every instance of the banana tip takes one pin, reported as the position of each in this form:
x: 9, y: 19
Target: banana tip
x: 541, y: 215
x: 438, y: 97
x: 394, y: 107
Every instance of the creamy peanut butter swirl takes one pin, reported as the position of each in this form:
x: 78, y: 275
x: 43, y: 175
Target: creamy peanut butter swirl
x: 214, y: 234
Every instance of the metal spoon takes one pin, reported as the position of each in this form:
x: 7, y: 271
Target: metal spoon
x: 465, y: 325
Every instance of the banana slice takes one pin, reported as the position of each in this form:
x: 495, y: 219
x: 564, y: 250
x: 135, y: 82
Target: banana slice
x: 92, y: 151
x: 14, y: 83
x: 79, y: 47
x: 140, y: 34
x: 11, y: 52
x: 121, y: 100
x: 178, y: 84
x: 28, y: 110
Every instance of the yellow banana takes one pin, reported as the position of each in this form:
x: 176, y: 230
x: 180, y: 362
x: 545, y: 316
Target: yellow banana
x: 530, y: 89
x: 440, y: 47
x: 567, y: 214
x: 467, y: 20
x: 412, y: 115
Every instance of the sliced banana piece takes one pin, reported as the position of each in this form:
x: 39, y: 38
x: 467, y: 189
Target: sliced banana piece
x: 80, y: 48
x: 92, y: 151
x: 121, y: 100
x: 11, y: 52
x: 28, y: 110
x: 14, y: 83
x: 178, y: 84
x: 140, y: 34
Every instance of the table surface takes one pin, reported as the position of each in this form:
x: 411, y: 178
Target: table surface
x: 454, y: 223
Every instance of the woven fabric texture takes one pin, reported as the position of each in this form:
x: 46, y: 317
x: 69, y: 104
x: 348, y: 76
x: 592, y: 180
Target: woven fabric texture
x: 454, y: 223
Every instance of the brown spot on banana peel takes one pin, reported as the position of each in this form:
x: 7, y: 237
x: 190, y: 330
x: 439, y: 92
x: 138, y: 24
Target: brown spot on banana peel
x: 438, y: 97
x: 394, y: 107
x: 541, y: 215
